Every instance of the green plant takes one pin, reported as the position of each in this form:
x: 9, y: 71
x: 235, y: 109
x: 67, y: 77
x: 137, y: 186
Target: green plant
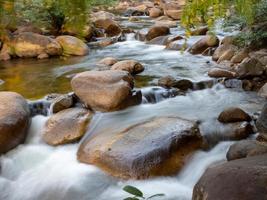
x: 49, y: 15
x: 137, y: 194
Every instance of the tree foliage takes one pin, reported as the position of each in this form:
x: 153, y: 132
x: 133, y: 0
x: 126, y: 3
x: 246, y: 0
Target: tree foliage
x: 208, y: 11
x: 51, y: 14
x: 251, y: 14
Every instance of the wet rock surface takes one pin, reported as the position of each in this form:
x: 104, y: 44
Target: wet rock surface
x: 105, y: 90
x: 158, y: 147
x: 223, y: 181
x: 131, y: 66
x: 233, y: 114
x: 246, y: 148
x: 14, y: 120
x: 72, y: 45
x: 66, y: 126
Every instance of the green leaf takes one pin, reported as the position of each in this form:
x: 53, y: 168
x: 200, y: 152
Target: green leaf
x: 133, y: 190
x: 131, y: 198
x: 156, y: 195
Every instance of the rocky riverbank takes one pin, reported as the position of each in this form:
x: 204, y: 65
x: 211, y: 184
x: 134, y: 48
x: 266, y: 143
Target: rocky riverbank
x: 137, y: 132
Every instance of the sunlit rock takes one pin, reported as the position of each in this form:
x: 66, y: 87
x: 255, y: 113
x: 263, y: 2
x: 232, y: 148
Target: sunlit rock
x: 66, y: 126
x: 156, y: 147
x: 14, y: 120
x: 72, y: 45
x: 105, y: 90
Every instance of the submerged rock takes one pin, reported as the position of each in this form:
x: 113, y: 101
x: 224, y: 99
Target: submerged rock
x: 239, y: 179
x: 66, y: 126
x: 131, y: 66
x: 105, y: 90
x: 14, y: 120
x: 246, y: 148
x: 152, y: 148
x: 72, y: 45
x: 233, y: 114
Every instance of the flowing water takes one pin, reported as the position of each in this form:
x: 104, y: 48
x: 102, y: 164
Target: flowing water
x: 36, y: 171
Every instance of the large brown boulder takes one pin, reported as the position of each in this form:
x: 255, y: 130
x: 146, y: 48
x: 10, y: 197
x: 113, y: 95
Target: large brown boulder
x: 157, y: 31
x: 240, y: 56
x: 204, y: 43
x: 263, y: 91
x: 261, y: 123
x: 105, y: 90
x: 152, y: 148
x: 250, y: 67
x: 131, y: 66
x: 235, y: 180
x: 233, y: 114
x: 155, y: 12
x: 30, y: 45
x: 110, y: 26
x: 72, y: 45
x: 66, y: 126
x: 219, y: 73
x: 173, y: 10
x: 14, y: 120
x: 246, y: 148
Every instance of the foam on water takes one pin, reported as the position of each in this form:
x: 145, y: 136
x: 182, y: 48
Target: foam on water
x: 36, y: 171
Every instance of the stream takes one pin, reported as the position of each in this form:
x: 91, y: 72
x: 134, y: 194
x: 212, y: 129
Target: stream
x: 37, y: 171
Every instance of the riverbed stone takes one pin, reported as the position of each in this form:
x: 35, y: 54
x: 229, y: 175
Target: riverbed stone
x: 131, y: 66
x: 263, y: 91
x: 246, y: 148
x: 178, y: 45
x: 155, y: 12
x: 261, y: 123
x: 239, y: 179
x: 14, y: 120
x: 200, y: 31
x: 219, y: 73
x: 240, y: 56
x: 105, y: 91
x: 72, y: 45
x: 157, y: 31
x: 233, y: 114
x: 173, y: 10
x: 30, y: 45
x: 61, y: 102
x: 260, y: 55
x: 111, y: 27
x: 224, y: 52
x: 227, y: 55
x: 109, y: 61
x: 250, y: 67
x: 66, y: 126
x: 158, y: 146
x: 204, y: 43
x: 167, y: 81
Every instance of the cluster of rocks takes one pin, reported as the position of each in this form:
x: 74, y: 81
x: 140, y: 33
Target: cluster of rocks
x: 247, y: 65
x: 27, y: 41
x: 34, y: 45
x: 170, y: 9
x: 246, y: 165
